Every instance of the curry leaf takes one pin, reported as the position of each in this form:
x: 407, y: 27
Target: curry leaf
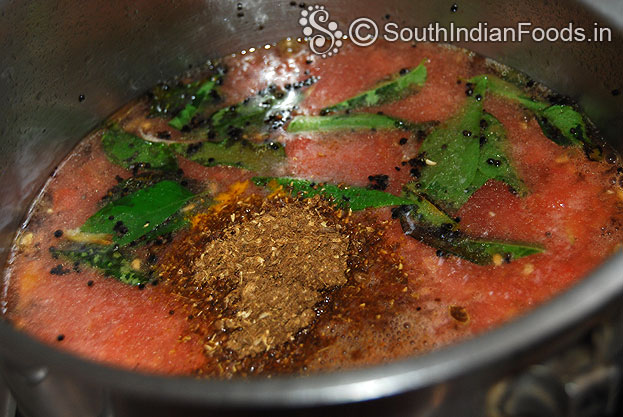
x: 560, y: 123
x: 139, y: 213
x: 176, y: 222
x: 499, y: 87
x: 141, y: 180
x: 205, y: 92
x: 353, y: 122
x: 260, y: 158
x: 425, y: 212
x: 129, y: 151
x: 171, y: 99
x: 108, y: 259
x: 494, y: 162
x: 269, y: 109
x: 448, y: 239
x: 563, y: 125
x: 355, y: 198
x: 435, y: 228
x: 453, y: 152
x: 399, y: 87
x: 464, y: 153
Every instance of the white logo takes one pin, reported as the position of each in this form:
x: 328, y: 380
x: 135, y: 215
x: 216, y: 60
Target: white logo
x: 363, y: 31
x: 329, y: 41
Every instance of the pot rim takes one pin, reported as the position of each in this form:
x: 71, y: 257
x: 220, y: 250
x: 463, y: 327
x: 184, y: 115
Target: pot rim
x: 514, y: 339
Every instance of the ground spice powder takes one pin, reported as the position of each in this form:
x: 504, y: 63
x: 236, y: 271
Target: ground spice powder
x: 274, y: 267
x: 253, y: 268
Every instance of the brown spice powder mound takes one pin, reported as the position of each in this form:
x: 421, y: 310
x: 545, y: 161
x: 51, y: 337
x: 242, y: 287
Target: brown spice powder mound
x: 254, y: 269
x: 276, y: 265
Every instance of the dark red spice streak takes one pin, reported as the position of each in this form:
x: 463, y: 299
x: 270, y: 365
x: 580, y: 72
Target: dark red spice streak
x: 572, y: 210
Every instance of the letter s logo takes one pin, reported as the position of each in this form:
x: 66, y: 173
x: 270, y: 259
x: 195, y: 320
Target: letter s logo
x: 327, y: 42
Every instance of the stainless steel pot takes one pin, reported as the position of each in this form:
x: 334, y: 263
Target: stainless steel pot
x: 562, y: 359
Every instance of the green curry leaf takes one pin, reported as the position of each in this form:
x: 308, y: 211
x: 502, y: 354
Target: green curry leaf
x: 424, y: 211
x: 563, y: 125
x: 270, y: 108
x: 499, y: 87
x: 205, y: 93
x: 255, y: 157
x: 494, y: 162
x: 355, y: 198
x: 357, y: 121
x: 448, y: 239
x: 129, y: 151
x: 107, y: 259
x: 464, y: 153
x: 182, y: 100
x: 139, y: 213
x: 174, y: 223
x: 560, y: 123
x: 453, y: 152
x: 138, y: 181
x: 398, y: 87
